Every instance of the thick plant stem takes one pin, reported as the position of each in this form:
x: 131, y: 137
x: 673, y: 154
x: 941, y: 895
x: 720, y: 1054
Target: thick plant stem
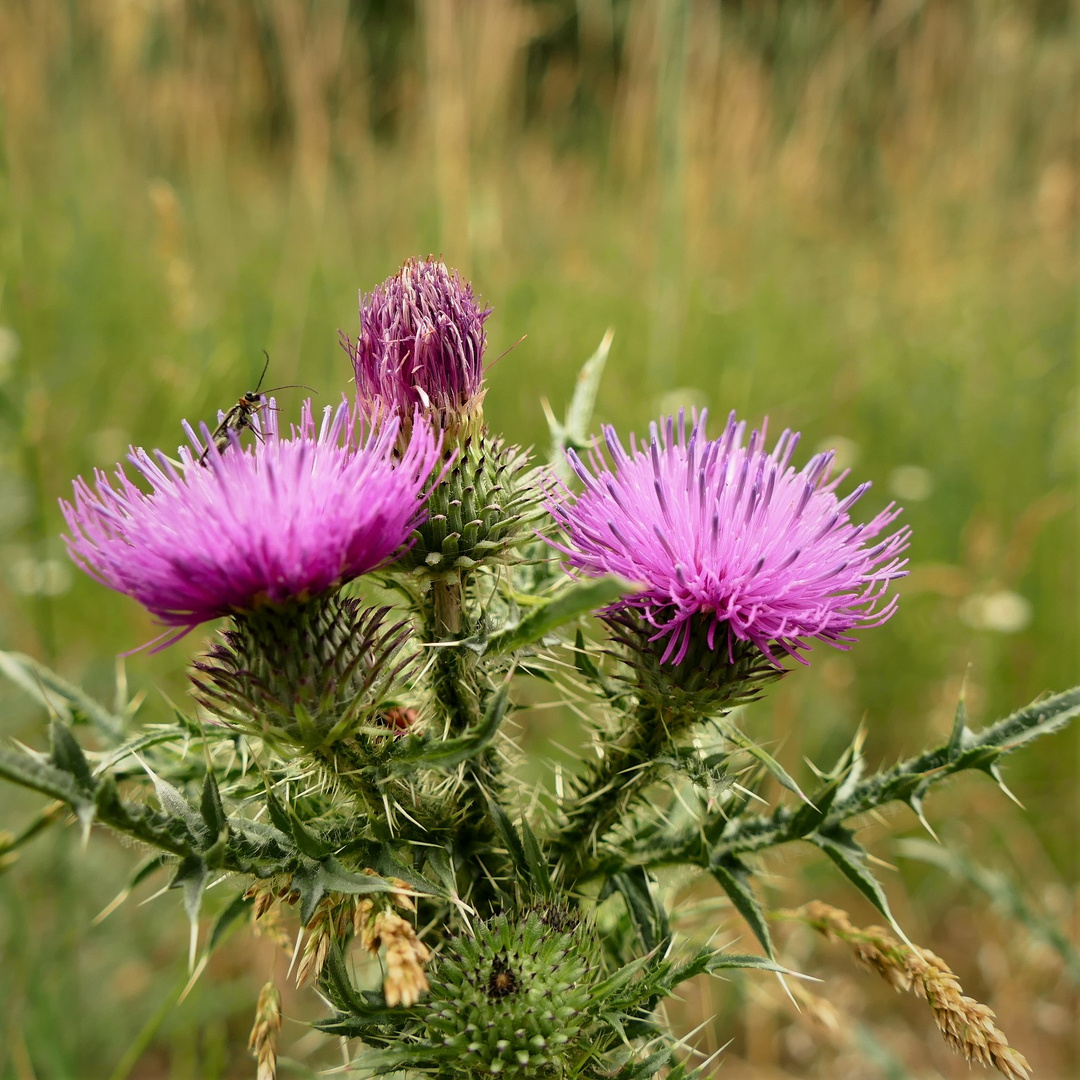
x: 607, y: 790
x: 457, y: 685
x: 446, y: 607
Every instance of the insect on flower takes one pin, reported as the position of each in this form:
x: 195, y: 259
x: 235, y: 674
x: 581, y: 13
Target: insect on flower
x: 240, y: 416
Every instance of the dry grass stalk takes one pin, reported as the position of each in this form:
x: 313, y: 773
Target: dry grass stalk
x: 967, y: 1025
x: 266, y: 915
x: 264, y: 1034
x: 331, y: 919
x: 406, y: 954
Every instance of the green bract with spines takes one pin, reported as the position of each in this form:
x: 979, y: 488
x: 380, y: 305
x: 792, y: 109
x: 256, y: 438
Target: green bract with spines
x: 480, y: 510
x: 510, y: 999
x: 307, y: 676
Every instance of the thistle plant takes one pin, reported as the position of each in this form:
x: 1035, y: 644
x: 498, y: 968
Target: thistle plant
x: 383, y: 580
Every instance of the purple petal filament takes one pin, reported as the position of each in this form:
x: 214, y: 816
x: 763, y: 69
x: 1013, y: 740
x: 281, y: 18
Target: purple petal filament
x: 284, y: 519
x: 421, y: 343
x: 728, y: 540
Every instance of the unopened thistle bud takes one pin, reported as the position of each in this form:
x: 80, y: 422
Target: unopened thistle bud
x: 421, y: 348
x: 480, y: 509
x: 512, y: 999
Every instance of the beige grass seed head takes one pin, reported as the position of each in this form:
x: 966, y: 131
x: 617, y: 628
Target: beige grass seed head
x: 966, y: 1024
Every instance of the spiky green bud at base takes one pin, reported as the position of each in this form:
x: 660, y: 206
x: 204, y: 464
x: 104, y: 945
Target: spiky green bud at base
x: 706, y: 682
x: 479, y: 510
x: 305, y: 674
x: 512, y: 1000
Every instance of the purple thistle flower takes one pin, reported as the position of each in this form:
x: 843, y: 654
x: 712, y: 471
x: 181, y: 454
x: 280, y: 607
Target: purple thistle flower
x: 283, y: 520
x: 729, y: 541
x: 421, y: 346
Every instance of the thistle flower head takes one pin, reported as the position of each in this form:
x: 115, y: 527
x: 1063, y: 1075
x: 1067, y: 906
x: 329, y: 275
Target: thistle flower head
x: 421, y: 347
x: 730, y: 543
x: 283, y: 520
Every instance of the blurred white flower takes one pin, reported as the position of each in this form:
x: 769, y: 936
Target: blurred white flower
x: 1004, y: 611
x: 31, y: 576
x: 845, y: 452
x: 911, y: 483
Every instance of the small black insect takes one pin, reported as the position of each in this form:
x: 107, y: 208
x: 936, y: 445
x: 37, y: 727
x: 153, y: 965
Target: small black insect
x: 240, y: 416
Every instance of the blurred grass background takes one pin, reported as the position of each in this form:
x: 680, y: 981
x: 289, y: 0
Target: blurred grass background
x: 857, y: 218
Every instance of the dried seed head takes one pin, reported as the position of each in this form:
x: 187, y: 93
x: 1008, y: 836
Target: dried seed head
x: 364, y: 923
x: 406, y: 956
x: 967, y: 1025
x: 264, y: 1033
x: 325, y: 925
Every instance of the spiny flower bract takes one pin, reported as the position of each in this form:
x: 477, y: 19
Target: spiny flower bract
x: 421, y: 345
x: 282, y: 520
x: 729, y: 541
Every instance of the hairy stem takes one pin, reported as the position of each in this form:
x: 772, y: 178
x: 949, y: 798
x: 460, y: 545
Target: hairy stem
x: 604, y: 794
x: 457, y: 684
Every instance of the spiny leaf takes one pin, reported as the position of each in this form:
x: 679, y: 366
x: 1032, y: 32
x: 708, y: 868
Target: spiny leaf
x: 238, y: 907
x: 38, y: 775
x: 135, y: 746
x: 280, y: 819
x: 574, y: 430
x: 68, y: 755
x: 391, y: 867
x: 722, y: 961
x: 336, y: 878
x: 213, y: 812
x: 307, y: 842
x: 583, y: 401
x: 713, y: 960
x: 571, y: 603
x: 582, y: 661
x: 69, y: 701
x: 775, y: 768
x: 807, y: 818
x: 449, y: 753
x: 347, y: 997
x: 173, y: 802
x: 510, y: 839
x: 956, y: 738
x: 191, y: 876
x: 649, y: 1066
x: 648, y: 916
x: 850, y: 857
x: 734, y: 878
x: 541, y: 872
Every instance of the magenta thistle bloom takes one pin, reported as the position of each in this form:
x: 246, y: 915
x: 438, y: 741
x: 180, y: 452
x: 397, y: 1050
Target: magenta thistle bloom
x: 729, y: 540
x: 282, y: 520
x: 421, y: 345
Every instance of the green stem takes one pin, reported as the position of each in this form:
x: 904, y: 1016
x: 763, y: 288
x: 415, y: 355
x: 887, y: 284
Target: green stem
x: 456, y: 684
x: 606, y: 791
